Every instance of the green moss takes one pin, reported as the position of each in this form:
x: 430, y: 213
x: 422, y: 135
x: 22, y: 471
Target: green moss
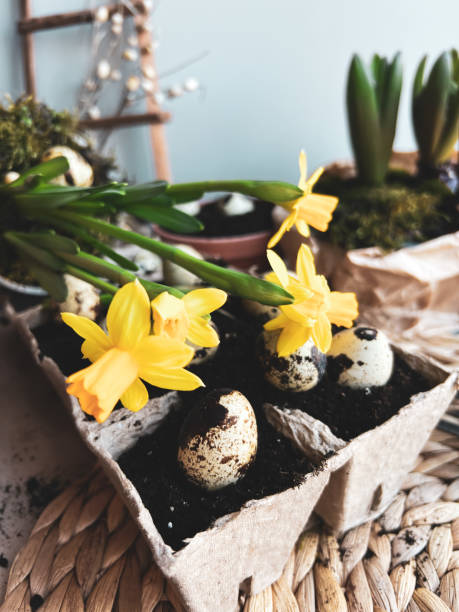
x: 403, y: 211
x: 28, y: 128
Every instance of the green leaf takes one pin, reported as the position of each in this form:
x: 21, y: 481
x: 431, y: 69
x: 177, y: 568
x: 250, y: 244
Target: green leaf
x: 390, y: 100
x: 46, y: 171
x: 145, y: 191
x: 51, y: 282
x: 50, y: 241
x: 450, y: 132
x: 363, y: 116
x: 43, y: 257
x: 87, y: 207
x: 430, y: 107
x: 167, y: 217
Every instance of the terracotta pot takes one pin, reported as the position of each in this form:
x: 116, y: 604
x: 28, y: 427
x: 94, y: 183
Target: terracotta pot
x: 241, y: 252
x: 247, y: 549
x: 379, y: 459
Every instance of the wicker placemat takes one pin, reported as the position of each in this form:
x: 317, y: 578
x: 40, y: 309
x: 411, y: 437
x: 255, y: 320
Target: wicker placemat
x: 85, y: 553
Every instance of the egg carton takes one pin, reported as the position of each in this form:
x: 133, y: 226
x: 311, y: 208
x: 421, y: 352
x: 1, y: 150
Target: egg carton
x: 245, y: 550
x: 377, y: 460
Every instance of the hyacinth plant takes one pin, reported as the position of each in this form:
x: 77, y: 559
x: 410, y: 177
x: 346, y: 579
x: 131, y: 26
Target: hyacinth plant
x: 150, y: 326
x: 373, y: 96
x: 435, y: 109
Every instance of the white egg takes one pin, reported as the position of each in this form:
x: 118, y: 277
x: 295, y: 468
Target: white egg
x: 300, y: 371
x: 176, y: 276
x: 237, y: 204
x: 79, y: 174
x: 360, y: 357
x: 203, y: 353
x: 218, y: 440
x: 262, y: 312
x: 189, y: 208
x: 10, y: 177
x: 147, y: 262
x: 82, y: 298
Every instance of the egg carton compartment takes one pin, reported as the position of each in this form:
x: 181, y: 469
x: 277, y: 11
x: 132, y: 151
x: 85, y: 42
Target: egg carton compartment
x: 378, y: 459
x: 245, y: 549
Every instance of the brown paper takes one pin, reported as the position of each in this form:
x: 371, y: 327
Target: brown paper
x: 412, y: 294
x: 246, y: 549
x: 379, y: 459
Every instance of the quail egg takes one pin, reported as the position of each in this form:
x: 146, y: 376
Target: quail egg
x: 79, y: 174
x: 176, y: 276
x: 360, y: 357
x: 237, y: 204
x: 300, y: 371
x: 262, y: 312
x: 10, y: 177
x: 189, y: 208
x: 82, y: 298
x: 218, y: 440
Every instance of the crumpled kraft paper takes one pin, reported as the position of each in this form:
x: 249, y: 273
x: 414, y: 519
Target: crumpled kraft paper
x: 246, y: 549
x: 379, y: 459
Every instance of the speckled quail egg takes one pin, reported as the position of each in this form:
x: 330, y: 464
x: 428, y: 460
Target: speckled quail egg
x: 218, y: 440
x: 79, y: 174
x: 360, y: 357
x: 262, y: 312
x: 203, y: 353
x: 82, y: 298
x: 300, y: 371
x: 176, y: 276
x: 237, y: 204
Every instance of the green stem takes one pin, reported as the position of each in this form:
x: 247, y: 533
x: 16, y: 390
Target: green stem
x: 90, y: 278
x: 237, y: 283
x: 271, y: 191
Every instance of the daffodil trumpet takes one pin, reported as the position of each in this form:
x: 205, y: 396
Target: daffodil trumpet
x: 310, y: 209
x: 125, y: 356
x: 314, y: 308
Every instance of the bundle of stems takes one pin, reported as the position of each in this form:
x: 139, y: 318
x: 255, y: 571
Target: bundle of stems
x: 56, y: 230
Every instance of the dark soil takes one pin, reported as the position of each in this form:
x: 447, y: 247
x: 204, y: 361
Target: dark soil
x: 3, y: 561
x: 218, y: 224
x: 42, y: 492
x: 179, y: 508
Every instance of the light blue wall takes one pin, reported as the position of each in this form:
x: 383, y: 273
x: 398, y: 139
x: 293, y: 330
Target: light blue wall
x: 273, y: 79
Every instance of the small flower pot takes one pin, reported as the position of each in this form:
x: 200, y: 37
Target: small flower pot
x: 379, y: 459
x: 242, y: 252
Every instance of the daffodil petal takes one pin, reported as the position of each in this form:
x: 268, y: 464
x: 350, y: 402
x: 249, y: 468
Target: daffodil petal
x: 200, y: 302
x: 321, y: 333
x: 303, y: 165
x: 172, y: 378
x: 88, y: 330
x: 344, y: 308
x: 92, y: 350
x: 279, y: 267
x: 128, y: 317
x: 315, y: 176
x: 161, y: 351
x: 135, y: 397
x: 305, y: 267
x: 277, y: 323
x: 303, y: 228
x: 291, y: 338
x: 285, y: 226
x: 202, y: 333
x: 306, y: 312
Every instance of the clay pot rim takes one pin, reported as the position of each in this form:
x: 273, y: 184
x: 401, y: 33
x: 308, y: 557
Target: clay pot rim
x: 211, y: 239
x: 21, y: 288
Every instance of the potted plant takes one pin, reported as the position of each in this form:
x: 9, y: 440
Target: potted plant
x: 395, y: 233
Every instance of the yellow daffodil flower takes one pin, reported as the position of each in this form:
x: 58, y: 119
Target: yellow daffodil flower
x: 125, y: 355
x: 310, y: 209
x: 187, y: 318
x: 314, y: 308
